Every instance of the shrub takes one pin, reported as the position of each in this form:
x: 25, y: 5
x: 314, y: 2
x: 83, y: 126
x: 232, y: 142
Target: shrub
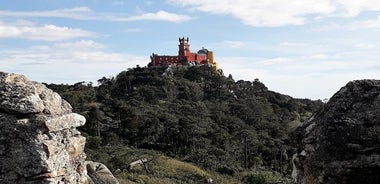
x: 265, y: 177
x: 94, y: 142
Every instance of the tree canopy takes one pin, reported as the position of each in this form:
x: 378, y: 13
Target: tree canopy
x: 194, y: 114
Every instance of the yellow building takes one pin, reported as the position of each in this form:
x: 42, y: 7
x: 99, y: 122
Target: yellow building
x: 210, y: 58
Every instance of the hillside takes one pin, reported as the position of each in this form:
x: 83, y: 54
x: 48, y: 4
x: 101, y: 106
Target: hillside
x: 194, y: 114
x: 161, y: 169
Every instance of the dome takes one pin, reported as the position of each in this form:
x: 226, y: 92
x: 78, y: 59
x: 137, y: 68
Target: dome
x: 203, y: 51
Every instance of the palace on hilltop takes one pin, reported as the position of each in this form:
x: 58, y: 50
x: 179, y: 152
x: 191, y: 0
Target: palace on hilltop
x: 185, y: 57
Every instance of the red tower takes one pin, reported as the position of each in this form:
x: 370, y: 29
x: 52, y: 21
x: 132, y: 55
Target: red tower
x: 184, y: 49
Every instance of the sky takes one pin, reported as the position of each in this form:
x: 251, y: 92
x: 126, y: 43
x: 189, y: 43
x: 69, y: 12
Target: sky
x: 302, y: 48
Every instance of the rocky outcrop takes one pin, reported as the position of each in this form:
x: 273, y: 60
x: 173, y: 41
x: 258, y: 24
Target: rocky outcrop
x: 341, y: 144
x: 99, y: 174
x: 39, y: 142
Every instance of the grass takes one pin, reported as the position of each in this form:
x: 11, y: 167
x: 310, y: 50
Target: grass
x: 265, y: 177
x: 162, y: 169
x: 166, y: 170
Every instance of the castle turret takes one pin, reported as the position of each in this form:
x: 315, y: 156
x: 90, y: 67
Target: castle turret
x: 184, y: 49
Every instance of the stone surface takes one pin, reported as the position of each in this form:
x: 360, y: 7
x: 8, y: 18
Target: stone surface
x: 20, y: 96
x: 99, y: 173
x: 39, y: 142
x: 341, y: 144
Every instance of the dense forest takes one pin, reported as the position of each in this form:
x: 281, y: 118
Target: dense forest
x: 193, y: 114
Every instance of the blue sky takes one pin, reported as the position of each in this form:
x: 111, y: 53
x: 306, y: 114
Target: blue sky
x: 302, y: 48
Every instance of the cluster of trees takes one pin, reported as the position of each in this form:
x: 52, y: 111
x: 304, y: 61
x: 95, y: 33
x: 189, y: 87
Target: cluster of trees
x: 194, y: 114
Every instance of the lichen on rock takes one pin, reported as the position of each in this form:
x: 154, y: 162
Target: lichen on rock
x: 98, y: 173
x: 341, y: 144
x: 39, y: 142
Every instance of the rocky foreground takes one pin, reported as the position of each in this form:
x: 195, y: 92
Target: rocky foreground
x: 39, y: 142
x: 341, y: 144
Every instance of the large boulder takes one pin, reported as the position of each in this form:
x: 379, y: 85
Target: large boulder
x: 341, y: 144
x: 39, y: 142
x: 98, y: 173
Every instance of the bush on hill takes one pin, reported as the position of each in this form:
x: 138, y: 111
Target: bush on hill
x: 194, y: 114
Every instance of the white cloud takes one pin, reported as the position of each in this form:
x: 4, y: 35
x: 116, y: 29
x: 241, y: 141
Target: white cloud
x: 315, y: 75
x: 263, y: 12
x: 367, y: 24
x: 365, y: 46
x: 354, y: 8
x: 279, y: 12
x: 327, y: 27
x: 81, y: 44
x: 60, y: 63
x: 275, y: 61
x: 319, y: 56
x: 85, y: 13
x: 160, y: 15
x: 133, y: 30
x: 234, y: 44
x: 292, y: 44
x: 373, y: 24
x: 45, y: 32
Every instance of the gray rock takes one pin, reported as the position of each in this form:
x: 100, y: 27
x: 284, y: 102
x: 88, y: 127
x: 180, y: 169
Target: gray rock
x: 39, y: 142
x: 98, y: 173
x: 21, y: 96
x: 342, y: 143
